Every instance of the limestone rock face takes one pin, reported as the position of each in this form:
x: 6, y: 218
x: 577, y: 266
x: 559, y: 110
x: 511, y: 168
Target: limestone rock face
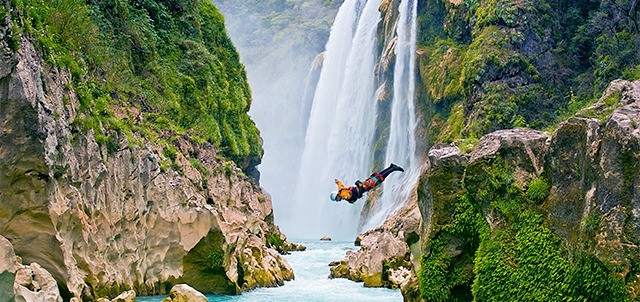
x: 384, y: 257
x: 596, y: 180
x: 592, y: 202
x: 104, y: 220
x: 439, y: 185
x: 35, y: 284
x: 592, y: 166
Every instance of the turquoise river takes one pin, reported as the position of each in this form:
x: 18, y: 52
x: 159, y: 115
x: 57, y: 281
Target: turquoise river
x: 311, y: 283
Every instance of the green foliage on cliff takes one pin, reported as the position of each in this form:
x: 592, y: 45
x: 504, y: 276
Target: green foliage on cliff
x: 521, y: 63
x: 444, y: 276
x: 497, y: 246
x: 169, y: 66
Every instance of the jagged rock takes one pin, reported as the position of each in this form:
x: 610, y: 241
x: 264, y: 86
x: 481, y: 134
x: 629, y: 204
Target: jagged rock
x: 383, y: 251
x: 527, y: 146
x: 279, y: 242
x: 292, y: 247
x: 185, y: 293
x: 28, y: 283
x: 399, y: 276
x: 34, y: 283
x: 112, y: 218
x: 410, y: 291
x: 441, y: 182
x: 571, y: 158
x: 325, y: 238
x: 595, y: 177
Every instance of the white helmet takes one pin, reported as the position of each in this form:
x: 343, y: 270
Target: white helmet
x: 334, y: 196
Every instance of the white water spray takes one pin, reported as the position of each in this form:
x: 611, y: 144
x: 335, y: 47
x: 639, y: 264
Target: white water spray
x: 342, y: 124
x: 401, y: 148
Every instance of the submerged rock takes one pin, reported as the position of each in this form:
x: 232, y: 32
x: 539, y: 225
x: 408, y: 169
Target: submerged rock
x: 292, y: 247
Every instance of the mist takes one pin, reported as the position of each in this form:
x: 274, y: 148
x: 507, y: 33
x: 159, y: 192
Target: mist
x: 278, y: 42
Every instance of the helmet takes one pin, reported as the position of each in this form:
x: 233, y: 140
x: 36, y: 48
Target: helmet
x: 334, y: 196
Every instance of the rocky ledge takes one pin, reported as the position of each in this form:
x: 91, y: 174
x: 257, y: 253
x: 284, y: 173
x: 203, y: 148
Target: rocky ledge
x: 384, y: 258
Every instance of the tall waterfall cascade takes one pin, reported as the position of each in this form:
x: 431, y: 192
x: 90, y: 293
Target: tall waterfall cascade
x: 342, y: 123
x: 401, y: 148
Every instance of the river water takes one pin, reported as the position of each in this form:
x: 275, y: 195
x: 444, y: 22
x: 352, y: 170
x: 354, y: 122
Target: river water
x: 312, y: 283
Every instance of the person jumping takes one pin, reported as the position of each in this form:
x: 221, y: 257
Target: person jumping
x: 352, y: 193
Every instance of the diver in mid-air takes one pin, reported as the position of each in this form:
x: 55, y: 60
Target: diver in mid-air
x: 352, y: 193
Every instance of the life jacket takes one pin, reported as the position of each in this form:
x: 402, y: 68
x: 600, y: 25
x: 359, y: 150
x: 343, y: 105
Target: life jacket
x: 348, y: 194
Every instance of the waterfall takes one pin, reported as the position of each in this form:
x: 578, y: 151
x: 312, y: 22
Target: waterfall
x: 342, y: 123
x: 401, y: 148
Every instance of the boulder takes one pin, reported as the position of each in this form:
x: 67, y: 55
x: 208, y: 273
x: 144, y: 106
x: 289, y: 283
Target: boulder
x: 293, y: 247
x: 35, y: 284
x: 325, y: 238
x: 384, y: 257
x: 185, y: 293
x: 128, y: 296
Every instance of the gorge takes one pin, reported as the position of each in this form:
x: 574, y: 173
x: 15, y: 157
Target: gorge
x: 130, y: 159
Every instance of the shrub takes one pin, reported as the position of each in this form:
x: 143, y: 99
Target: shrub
x: 537, y: 190
x: 170, y: 61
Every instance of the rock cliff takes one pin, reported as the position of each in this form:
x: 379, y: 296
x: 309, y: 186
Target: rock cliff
x: 559, y: 212
x: 103, y: 220
x: 524, y: 201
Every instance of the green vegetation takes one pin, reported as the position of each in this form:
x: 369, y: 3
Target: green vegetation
x: 169, y: 66
x: 516, y: 257
x: 498, y: 64
x: 275, y: 241
x: 442, y: 271
x: 520, y: 64
x: 537, y: 190
x: 215, y: 261
x: 196, y: 164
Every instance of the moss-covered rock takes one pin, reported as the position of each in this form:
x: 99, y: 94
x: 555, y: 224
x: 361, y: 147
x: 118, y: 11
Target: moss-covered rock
x: 105, y: 182
x: 519, y: 64
x: 537, y: 217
